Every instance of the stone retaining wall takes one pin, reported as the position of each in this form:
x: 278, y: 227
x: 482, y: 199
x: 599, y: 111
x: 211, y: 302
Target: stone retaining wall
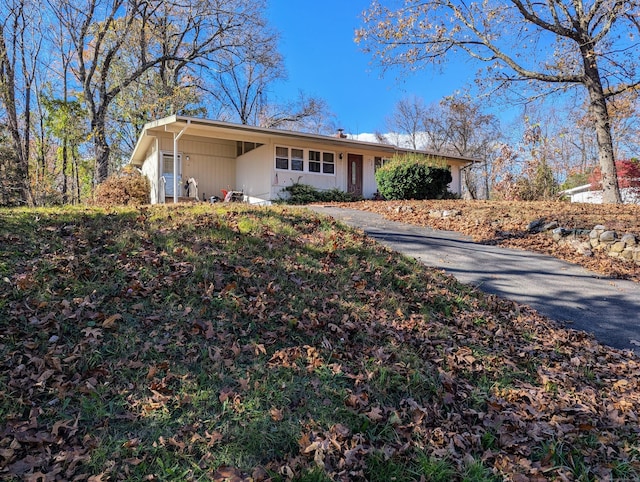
x: 586, y: 242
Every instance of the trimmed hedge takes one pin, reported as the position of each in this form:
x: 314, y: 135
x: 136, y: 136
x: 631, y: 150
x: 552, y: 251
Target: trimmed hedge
x: 413, y: 177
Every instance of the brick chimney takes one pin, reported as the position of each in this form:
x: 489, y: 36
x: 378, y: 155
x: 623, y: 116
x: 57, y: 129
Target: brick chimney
x: 340, y: 134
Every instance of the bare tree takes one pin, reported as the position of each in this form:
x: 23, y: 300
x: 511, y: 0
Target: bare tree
x: 408, y: 119
x: 19, y: 51
x: 164, y: 35
x: 303, y: 114
x: 558, y: 44
x: 455, y: 125
x: 240, y: 83
x: 470, y: 132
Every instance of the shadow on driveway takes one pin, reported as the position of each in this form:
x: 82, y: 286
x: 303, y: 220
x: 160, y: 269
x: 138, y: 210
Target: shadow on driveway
x: 567, y: 293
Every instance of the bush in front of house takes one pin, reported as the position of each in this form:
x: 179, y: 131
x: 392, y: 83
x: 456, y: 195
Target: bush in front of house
x: 127, y: 187
x: 299, y: 193
x: 413, y: 176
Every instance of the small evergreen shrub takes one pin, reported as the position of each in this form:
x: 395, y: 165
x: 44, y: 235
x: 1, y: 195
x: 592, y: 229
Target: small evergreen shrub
x: 299, y: 193
x: 127, y: 187
x: 413, y: 176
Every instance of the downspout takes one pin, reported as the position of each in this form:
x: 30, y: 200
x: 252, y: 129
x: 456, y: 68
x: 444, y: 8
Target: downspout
x: 176, y: 137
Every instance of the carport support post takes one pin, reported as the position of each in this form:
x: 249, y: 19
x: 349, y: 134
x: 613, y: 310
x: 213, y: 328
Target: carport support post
x: 176, y: 137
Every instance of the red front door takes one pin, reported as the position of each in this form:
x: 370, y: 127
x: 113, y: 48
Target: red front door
x: 354, y: 180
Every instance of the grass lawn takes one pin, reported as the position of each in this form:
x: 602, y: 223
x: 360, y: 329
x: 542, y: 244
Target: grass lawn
x: 229, y: 343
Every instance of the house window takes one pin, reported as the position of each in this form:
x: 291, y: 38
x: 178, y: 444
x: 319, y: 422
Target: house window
x: 293, y: 159
x: 167, y: 163
x: 314, y: 161
x: 378, y: 162
x: 297, y: 160
x: 328, y: 163
x: 282, y: 158
x: 244, y: 147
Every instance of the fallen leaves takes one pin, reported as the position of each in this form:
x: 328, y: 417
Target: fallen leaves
x: 146, y: 351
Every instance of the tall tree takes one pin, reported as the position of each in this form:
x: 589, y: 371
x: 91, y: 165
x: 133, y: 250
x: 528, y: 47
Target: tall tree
x: 455, y: 125
x: 165, y: 35
x: 407, y: 119
x: 240, y: 85
x: 20, y: 46
x: 557, y: 44
x: 64, y: 122
x: 471, y: 132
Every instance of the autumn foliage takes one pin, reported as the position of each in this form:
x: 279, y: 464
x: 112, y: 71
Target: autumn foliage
x: 226, y: 343
x: 127, y: 187
x: 628, y: 175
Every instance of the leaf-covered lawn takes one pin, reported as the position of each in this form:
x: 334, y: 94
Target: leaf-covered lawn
x: 231, y: 343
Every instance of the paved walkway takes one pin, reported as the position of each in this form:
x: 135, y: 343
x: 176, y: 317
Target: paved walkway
x: 567, y: 293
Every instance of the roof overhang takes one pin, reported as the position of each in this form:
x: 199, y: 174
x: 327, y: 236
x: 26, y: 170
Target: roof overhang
x: 240, y: 132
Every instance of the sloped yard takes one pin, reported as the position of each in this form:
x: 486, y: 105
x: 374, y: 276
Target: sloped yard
x: 235, y: 344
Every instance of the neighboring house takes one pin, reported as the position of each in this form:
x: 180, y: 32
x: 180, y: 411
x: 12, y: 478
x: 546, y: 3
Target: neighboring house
x: 585, y: 194
x: 259, y: 162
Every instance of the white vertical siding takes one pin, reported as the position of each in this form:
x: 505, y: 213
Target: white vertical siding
x: 211, y: 162
x: 455, y: 186
x: 254, y: 173
x: 150, y: 170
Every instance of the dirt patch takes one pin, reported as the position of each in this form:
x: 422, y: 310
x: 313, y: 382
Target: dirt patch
x: 506, y: 224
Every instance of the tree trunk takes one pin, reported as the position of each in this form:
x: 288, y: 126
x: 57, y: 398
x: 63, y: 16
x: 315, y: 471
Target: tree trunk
x: 102, y: 149
x: 65, y: 189
x: 8, y: 98
x: 600, y: 113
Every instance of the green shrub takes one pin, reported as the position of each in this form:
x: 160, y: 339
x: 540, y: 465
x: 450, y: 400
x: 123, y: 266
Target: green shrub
x: 299, y: 193
x: 127, y: 187
x: 413, y: 177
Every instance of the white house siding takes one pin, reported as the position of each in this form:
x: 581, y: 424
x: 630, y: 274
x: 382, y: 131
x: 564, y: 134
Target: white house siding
x: 211, y: 162
x: 280, y: 179
x: 255, y: 170
x: 150, y: 170
x: 455, y: 186
x: 629, y: 196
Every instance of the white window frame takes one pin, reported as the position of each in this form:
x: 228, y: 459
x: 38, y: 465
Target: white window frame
x: 317, y: 161
x: 379, y: 161
x: 326, y: 163
x: 305, y: 159
x: 169, y: 154
x: 280, y: 156
x: 296, y: 159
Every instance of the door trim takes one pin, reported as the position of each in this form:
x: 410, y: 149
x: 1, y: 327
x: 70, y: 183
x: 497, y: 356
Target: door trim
x: 355, y: 164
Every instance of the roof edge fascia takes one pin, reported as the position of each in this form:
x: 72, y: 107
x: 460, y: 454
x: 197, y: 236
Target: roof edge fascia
x: 182, y: 121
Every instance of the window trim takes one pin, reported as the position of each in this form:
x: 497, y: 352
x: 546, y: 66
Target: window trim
x: 379, y: 161
x: 306, y: 160
x: 277, y: 157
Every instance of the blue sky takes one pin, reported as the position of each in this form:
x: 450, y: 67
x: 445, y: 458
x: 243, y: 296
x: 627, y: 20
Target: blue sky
x: 322, y: 60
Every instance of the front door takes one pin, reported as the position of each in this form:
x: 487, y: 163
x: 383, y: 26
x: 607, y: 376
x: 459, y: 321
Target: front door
x: 354, y: 180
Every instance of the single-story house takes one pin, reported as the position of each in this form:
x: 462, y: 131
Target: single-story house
x: 258, y: 162
x: 586, y: 194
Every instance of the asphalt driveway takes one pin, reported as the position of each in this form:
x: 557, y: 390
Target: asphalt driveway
x: 567, y: 293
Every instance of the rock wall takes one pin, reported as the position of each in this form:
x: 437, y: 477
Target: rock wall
x: 586, y: 242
